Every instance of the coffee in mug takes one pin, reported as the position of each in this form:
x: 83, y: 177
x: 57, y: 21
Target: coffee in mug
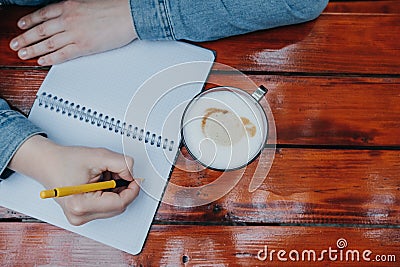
x: 224, y: 128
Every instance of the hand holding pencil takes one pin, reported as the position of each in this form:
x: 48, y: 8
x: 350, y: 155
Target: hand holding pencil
x: 87, y: 167
x: 93, y: 166
x: 56, y: 166
x: 84, y: 188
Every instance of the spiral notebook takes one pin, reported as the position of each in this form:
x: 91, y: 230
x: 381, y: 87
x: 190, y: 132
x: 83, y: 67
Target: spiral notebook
x: 128, y: 100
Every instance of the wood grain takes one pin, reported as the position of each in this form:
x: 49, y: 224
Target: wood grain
x: 328, y: 110
x: 378, y: 7
x: 334, y: 93
x: 302, y: 186
x: 349, y: 110
x: 334, y: 43
x: 169, y: 245
x: 19, y: 87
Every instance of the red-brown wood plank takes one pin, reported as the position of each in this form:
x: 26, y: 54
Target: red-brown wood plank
x: 303, y: 186
x: 379, y: 7
x: 39, y: 244
x: 19, y: 87
x: 8, y: 29
x: 334, y: 43
x: 329, y: 110
x: 10, y: 15
x: 348, y: 111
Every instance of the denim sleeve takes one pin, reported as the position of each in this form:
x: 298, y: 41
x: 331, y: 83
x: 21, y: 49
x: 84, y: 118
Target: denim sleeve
x: 196, y: 20
x: 15, y: 129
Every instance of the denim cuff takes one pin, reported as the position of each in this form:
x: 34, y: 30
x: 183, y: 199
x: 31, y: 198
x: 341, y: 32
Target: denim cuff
x: 151, y: 19
x: 15, y: 130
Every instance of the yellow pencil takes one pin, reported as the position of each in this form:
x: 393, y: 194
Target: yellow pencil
x: 83, y: 188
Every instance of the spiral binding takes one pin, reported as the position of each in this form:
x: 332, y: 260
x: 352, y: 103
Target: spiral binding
x: 97, y: 119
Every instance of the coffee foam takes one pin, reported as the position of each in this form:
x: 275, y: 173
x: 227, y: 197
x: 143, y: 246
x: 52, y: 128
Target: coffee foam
x: 224, y: 129
x: 222, y: 126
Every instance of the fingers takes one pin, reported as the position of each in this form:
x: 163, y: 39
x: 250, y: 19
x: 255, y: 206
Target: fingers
x: 116, y: 163
x: 80, y: 209
x: 49, y: 45
x: 39, y: 16
x: 111, y: 204
x: 68, y: 52
x: 129, y: 194
x: 42, y: 24
x: 40, y: 32
x: 93, y: 27
x: 126, y: 171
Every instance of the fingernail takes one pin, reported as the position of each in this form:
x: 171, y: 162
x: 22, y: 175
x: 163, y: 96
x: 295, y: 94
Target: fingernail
x: 41, y: 61
x: 22, y: 53
x: 139, y: 181
x: 14, y: 44
x: 22, y: 23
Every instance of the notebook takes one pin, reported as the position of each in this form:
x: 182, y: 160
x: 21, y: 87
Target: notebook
x: 128, y: 100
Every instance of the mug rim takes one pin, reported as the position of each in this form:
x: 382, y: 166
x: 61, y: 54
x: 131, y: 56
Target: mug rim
x: 226, y: 88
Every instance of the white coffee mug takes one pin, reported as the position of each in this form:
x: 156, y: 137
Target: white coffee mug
x: 225, y: 128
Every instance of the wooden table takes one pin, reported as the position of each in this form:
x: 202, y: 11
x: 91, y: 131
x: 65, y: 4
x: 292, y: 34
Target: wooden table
x: 335, y: 95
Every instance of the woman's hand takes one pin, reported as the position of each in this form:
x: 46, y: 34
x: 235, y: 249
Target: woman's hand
x: 74, y: 28
x: 56, y: 166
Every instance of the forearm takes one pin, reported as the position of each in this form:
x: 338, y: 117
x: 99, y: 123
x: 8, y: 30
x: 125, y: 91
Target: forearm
x: 208, y: 20
x: 15, y: 130
x: 34, y: 158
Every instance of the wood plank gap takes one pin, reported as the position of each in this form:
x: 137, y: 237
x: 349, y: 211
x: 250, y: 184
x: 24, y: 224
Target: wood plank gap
x: 316, y: 74
x: 227, y: 223
x: 255, y: 72
x: 338, y: 225
x: 335, y: 225
x: 7, y: 67
x: 219, y: 223
x: 358, y: 14
x: 305, y: 74
x: 337, y: 147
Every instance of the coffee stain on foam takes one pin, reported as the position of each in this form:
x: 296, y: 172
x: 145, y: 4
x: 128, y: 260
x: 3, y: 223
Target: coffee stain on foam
x: 245, y: 122
x: 250, y: 127
x: 209, y: 112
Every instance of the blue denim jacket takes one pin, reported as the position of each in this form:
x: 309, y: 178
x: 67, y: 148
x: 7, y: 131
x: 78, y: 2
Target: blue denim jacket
x: 194, y: 20
x: 14, y: 130
x: 200, y: 20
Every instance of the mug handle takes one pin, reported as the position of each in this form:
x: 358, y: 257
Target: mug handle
x: 259, y: 93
